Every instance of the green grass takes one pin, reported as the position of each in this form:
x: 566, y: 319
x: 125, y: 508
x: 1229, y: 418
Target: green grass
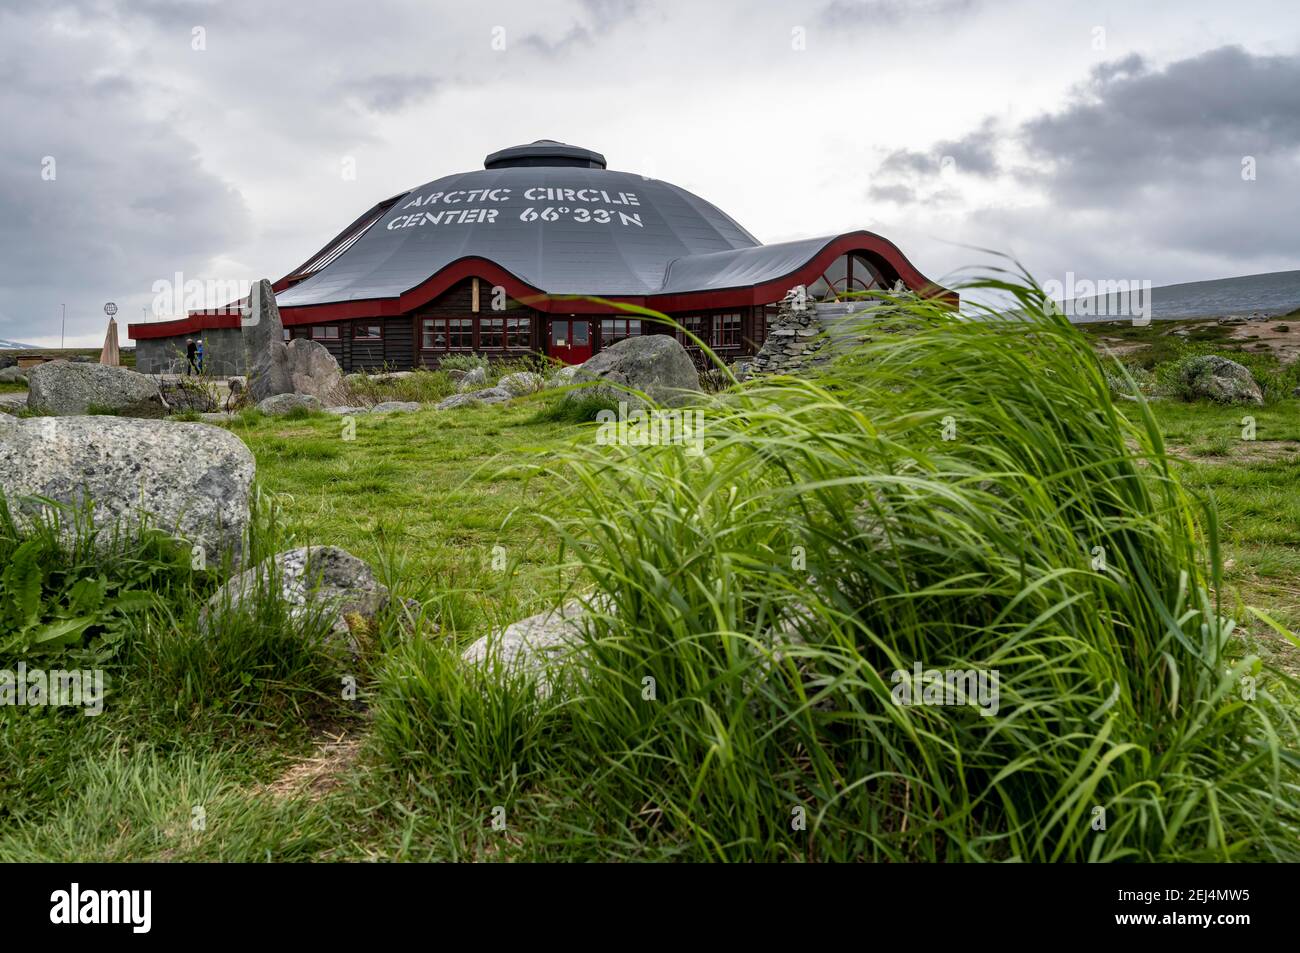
x: 834, y: 509
x: 1153, y: 354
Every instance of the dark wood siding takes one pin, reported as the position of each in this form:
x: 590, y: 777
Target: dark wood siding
x: 398, y: 345
x: 368, y: 354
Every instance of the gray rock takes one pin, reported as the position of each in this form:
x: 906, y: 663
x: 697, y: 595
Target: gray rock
x: 12, y: 374
x: 396, y: 407
x: 313, y: 370
x: 281, y: 404
x: 521, y: 383
x: 188, y: 478
x: 62, y: 388
x: 540, y: 645
x: 311, y: 579
x: 489, y: 395
x: 7, y: 360
x: 564, y: 376
x: 1231, y: 321
x: 1219, y: 379
x: 655, y: 364
x: 472, y: 380
x: 302, y: 366
x: 347, y: 411
x: 457, y: 400
x: 265, y: 355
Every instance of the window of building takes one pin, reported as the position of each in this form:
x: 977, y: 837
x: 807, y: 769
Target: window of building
x: 847, y: 275
x: 324, y: 332
x: 460, y: 334
x: 618, y: 329
x: 433, y: 334
x: 519, y: 333
x: 492, y: 332
x: 367, y: 332
x: 286, y: 334
x: 694, y: 324
x: 726, y: 330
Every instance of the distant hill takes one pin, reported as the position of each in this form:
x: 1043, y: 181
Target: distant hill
x: 1274, y: 293
x: 15, y: 346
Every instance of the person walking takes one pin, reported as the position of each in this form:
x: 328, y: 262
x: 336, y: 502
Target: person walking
x: 191, y: 356
x: 198, y: 353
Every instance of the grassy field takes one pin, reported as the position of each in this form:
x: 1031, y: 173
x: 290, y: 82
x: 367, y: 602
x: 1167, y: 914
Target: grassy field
x: 199, y: 758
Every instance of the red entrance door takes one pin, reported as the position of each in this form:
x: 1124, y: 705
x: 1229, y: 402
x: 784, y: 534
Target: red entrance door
x: 570, y: 340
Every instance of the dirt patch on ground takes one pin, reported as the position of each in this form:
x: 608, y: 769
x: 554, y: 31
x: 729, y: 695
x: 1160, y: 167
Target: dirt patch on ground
x: 320, y: 772
x: 1282, y: 338
x: 1241, y: 451
x: 1115, y: 347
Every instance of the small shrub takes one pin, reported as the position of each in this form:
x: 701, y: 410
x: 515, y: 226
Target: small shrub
x: 577, y: 410
x: 422, y: 385
x: 479, y: 729
x: 69, y: 591
x: 463, y: 362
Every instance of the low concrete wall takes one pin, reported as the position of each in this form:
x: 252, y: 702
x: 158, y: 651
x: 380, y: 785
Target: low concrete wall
x: 223, y: 353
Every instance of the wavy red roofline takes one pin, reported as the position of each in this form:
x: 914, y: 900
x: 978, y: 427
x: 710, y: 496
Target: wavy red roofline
x: 475, y: 267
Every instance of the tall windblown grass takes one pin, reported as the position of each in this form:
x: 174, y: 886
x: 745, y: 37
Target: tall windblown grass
x: 955, y: 495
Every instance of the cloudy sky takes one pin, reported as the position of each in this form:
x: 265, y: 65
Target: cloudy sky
x: 229, y: 139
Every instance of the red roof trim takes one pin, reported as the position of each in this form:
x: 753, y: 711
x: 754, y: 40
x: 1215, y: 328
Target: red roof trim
x: 409, y: 301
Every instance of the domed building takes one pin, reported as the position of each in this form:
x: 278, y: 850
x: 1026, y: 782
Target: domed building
x: 532, y: 254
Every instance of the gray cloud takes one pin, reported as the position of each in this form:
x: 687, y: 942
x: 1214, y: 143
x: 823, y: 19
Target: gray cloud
x: 1142, y: 164
x: 902, y: 194
x: 96, y: 197
x: 1130, y: 126
x: 602, y: 16
x: 853, y: 14
x: 973, y: 153
x: 391, y: 92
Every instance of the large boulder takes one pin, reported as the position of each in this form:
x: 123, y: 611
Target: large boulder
x: 65, y: 388
x: 12, y: 375
x: 396, y: 407
x: 655, y: 364
x: 281, y: 404
x: 266, y: 358
x: 313, y: 370
x: 188, y: 479
x: 8, y: 360
x: 538, y: 646
x: 1218, y: 379
x: 311, y: 579
x: 300, y: 367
